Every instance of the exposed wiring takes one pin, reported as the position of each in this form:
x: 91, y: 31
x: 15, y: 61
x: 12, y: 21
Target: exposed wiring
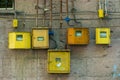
x: 73, y: 10
x: 68, y: 23
x: 67, y: 19
x: 54, y: 42
x: 51, y: 34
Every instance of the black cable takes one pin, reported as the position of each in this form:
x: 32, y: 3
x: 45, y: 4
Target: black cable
x: 73, y: 10
x: 68, y: 23
x: 54, y: 42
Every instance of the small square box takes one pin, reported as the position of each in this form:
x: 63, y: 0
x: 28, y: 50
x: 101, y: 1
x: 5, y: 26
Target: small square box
x: 40, y: 38
x: 78, y: 36
x: 19, y: 40
x: 102, y: 35
x: 58, y: 61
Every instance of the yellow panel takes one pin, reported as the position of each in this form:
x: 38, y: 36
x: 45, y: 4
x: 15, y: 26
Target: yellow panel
x: 70, y: 36
x: 78, y: 36
x: 40, y: 38
x: 15, y: 22
x: 58, y: 61
x: 101, y: 13
x: 19, y: 40
x: 102, y: 35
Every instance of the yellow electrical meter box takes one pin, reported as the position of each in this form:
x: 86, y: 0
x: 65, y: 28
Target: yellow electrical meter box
x: 19, y: 40
x: 15, y: 23
x: 58, y: 61
x: 78, y: 36
x: 40, y: 38
x: 101, y: 13
x: 102, y: 35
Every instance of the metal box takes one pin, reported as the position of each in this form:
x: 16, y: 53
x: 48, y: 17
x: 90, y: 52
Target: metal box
x: 78, y: 36
x: 58, y: 61
x: 102, y: 35
x: 15, y: 23
x: 101, y: 13
x: 19, y: 40
x: 40, y: 38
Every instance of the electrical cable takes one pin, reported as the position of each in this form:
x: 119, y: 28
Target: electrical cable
x: 54, y: 42
x: 73, y: 10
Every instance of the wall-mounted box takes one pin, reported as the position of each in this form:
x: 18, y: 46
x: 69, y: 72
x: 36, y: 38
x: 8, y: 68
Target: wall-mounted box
x: 19, y: 40
x: 58, y: 61
x: 15, y: 23
x: 78, y: 36
x: 40, y: 38
x: 102, y: 35
x: 101, y: 13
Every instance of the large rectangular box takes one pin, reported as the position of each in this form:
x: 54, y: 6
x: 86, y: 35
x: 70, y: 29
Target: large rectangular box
x: 40, y: 38
x: 78, y: 36
x: 58, y: 61
x: 102, y: 35
x: 19, y: 40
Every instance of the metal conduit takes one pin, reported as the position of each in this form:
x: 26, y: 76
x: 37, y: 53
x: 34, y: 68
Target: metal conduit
x: 51, y: 14
x: 60, y: 13
x: 37, y: 13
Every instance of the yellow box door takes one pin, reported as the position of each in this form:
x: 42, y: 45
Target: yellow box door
x: 19, y: 40
x: 70, y: 36
x: 40, y: 38
x: 102, y: 36
x: 58, y: 61
x: 86, y: 39
x: 78, y: 36
x: 27, y: 40
x: 11, y: 40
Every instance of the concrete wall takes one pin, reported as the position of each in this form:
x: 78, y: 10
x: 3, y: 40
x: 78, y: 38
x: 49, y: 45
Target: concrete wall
x: 91, y: 62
